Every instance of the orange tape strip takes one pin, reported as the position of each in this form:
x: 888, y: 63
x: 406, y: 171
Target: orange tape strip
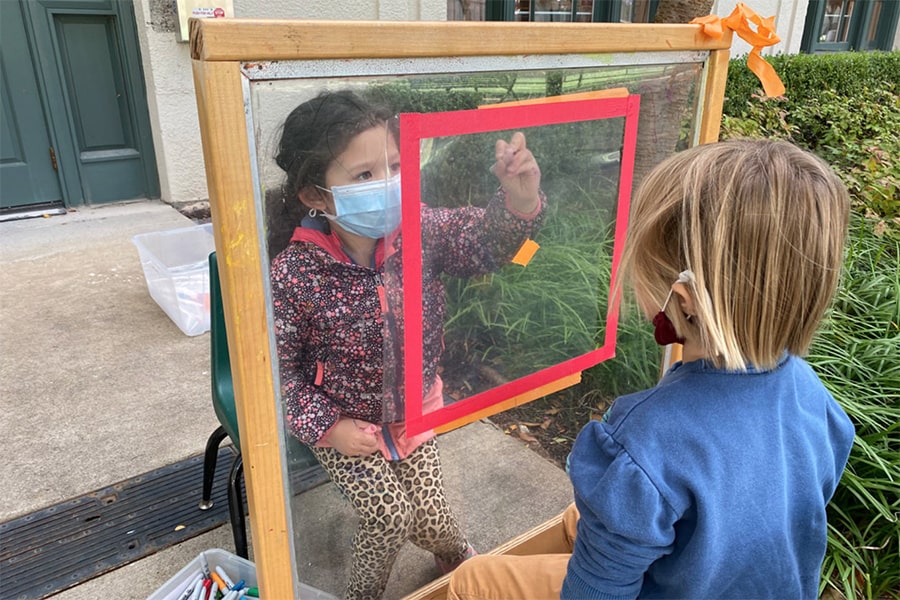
x: 544, y: 390
x: 525, y: 253
x: 739, y: 22
x: 610, y: 93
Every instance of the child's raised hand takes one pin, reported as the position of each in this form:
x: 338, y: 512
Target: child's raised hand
x: 518, y: 172
x: 352, y: 437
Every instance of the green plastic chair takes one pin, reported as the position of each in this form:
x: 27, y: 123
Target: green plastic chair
x: 224, y: 406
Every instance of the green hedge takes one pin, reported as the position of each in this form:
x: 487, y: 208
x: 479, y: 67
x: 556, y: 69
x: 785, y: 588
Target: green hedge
x: 807, y: 76
x: 844, y: 107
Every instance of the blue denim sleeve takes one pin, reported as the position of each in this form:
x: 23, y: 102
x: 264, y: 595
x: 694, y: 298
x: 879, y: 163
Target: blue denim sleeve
x: 625, y: 524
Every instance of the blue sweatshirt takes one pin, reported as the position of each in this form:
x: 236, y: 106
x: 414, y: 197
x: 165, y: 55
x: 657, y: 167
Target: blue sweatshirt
x: 712, y: 484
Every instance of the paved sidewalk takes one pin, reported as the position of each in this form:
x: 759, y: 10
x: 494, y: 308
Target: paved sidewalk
x: 97, y: 385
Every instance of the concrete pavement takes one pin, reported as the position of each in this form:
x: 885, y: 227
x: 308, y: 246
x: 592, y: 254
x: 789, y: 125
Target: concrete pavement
x: 98, y: 385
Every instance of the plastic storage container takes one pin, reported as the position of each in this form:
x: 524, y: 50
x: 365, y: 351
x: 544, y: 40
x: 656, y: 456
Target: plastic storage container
x: 176, y: 268
x: 236, y: 567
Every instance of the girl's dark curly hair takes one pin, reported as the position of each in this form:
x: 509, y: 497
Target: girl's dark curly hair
x: 319, y: 130
x: 313, y: 135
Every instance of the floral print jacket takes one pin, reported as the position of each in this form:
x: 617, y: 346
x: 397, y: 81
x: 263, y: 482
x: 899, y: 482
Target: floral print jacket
x: 330, y: 313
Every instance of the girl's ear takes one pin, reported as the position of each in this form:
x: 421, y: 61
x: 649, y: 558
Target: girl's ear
x: 312, y: 198
x: 685, y: 300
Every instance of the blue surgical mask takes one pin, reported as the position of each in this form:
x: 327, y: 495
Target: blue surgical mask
x: 370, y: 209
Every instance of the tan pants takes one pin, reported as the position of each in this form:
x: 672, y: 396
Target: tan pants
x: 508, y: 577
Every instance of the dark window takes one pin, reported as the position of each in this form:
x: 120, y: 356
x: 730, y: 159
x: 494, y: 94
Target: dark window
x: 839, y: 25
x: 569, y: 11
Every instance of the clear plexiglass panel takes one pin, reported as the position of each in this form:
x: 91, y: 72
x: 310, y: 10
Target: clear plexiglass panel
x: 500, y: 302
x: 512, y: 324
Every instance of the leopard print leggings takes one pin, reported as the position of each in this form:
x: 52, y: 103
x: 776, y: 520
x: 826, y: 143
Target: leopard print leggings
x: 395, y: 502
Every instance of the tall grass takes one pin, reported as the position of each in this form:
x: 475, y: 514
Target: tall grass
x: 857, y: 355
x: 521, y: 320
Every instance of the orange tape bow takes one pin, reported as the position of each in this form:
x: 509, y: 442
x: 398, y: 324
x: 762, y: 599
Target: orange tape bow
x: 739, y: 22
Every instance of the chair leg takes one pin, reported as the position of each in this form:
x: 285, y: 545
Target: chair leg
x: 209, y: 466
x: 236, y: 506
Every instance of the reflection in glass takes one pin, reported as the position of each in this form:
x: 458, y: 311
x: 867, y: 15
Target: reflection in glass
x: 554, y: 10
x: 872, y: 33
x: 836, y: 21
x: 634, y: 11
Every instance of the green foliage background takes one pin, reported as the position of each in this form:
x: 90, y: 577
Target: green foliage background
x: 846, y: 108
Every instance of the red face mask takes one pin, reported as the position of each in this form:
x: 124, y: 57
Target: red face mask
x: 663, y: 330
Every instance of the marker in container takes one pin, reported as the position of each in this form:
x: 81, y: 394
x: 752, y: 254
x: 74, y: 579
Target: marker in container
x: 228, y: 582
x: 204, y: 566
x: 198, y: 589
x: 217, y: 579
x: 253, y: 592
x: 213, y: 590
x: 189, y: 590
x: 207, y: 584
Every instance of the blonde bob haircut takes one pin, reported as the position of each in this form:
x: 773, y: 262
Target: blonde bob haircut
x: 762, y: 226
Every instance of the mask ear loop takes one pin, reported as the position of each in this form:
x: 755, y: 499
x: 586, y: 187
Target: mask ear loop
x: 666, y: 302
x: 663, y: 329
x: 686, y: 276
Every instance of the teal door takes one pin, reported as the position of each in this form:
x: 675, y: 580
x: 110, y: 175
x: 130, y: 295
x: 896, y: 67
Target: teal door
x: 27, y: 173
x: 88, y: 71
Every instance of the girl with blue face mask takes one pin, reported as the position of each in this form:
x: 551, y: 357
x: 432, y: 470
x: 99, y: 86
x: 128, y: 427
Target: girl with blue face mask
x: 335, y: 317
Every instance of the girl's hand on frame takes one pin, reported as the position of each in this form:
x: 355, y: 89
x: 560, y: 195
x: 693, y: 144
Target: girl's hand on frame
x: 518, y: 172
x: 352, y: 437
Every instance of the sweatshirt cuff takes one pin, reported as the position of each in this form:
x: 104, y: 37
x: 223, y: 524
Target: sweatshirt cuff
x: 519, y: 214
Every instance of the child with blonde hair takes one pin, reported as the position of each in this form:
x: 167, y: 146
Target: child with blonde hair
x: 714, y: 482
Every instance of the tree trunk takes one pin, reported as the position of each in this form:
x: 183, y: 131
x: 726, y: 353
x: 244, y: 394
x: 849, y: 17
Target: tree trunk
x: 665, y: 101
x: 681, y: 11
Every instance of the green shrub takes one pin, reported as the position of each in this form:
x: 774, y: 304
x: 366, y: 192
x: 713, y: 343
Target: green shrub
x: 853, y: 123
x: 860, y: 137
x: 807, y: 76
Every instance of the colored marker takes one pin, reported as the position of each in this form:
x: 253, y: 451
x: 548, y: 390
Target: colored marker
x: 228, y: 582
x: 207, y: 586
x: 253, y: 592
x: 217, y: 579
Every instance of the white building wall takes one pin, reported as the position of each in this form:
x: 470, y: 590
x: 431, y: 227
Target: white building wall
x: 170, y: 88
x: 790, y: 16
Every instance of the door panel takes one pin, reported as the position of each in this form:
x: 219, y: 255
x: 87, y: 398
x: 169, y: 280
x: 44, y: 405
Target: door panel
x: 87, y: 61
x: 94, y: 80
x: 27, y: 175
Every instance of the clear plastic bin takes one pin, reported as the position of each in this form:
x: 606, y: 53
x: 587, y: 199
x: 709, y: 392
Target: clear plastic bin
x: 236, y: 567
x: 176, y: 268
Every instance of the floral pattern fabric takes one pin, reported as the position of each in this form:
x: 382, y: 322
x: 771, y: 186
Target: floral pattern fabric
x: 330, y: 314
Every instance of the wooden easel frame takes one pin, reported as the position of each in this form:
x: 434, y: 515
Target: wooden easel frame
x: 219, y: 48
